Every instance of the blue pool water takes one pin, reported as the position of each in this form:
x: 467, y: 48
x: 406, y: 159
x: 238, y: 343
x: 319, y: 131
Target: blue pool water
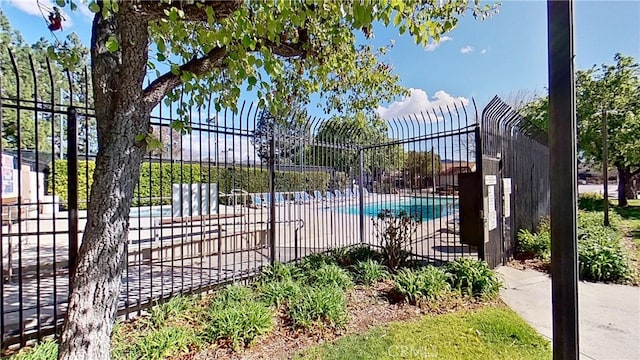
x: 424, y: 208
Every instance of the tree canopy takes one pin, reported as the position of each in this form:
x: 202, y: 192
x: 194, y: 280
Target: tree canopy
x: 611, y: 90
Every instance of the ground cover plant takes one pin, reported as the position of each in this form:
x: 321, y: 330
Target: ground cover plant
x: 602, y: 254
x: 313, y: 299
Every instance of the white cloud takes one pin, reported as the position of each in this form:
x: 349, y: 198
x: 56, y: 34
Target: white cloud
x: 224, y: 148
x: 435, y: 45
x: 466, y: 50
x: 484, y: 51
x: 418, y: 101
x: 41, y: 9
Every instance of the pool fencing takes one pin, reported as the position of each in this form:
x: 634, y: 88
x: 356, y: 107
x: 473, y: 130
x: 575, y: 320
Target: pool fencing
x: 238, y: 192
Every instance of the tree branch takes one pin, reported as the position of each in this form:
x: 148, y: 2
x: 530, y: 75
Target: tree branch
x: 198, y: 66
x: 635, y: 172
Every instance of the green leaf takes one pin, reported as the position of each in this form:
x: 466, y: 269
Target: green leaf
x: 252, y: 80
x: 161, y: 57
x: 73, y: 6
x: 112, y: 44
x: 60, y: 3
x: 94, y: 7
x: 140, y: 137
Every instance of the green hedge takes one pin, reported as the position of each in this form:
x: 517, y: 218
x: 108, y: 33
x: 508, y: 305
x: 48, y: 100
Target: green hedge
x: 156, y: 180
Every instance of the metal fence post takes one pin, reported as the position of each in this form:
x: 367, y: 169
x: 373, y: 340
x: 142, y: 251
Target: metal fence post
x: 272, y: 203
x: 361, y: 195
x: 72, y: 189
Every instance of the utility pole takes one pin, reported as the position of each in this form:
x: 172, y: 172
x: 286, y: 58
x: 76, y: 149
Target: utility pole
x: 563, y: 178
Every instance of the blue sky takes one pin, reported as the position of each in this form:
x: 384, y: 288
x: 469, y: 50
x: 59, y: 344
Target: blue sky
x: 501, y: 55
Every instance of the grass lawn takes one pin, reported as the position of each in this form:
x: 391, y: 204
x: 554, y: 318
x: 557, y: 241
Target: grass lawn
x: 631, y: 226
x: 487, y: 333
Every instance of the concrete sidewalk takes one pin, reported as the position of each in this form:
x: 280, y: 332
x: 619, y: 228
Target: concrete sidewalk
x: 609, y: 314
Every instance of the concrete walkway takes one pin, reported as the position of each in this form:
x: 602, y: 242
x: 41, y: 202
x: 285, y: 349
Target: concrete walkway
x: 609, y: 314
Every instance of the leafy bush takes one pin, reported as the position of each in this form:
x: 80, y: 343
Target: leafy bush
x: 313, y: 262
x: 156, y: 344
x: 277, y: 293
x: 594, y: 219
x: 602, y: 258
x: 591, y: 202
x: 538, y: 245
x: 363, y: 253
x: 239, y: 323
x: 317, y: 305
x: 156, y: 180
x: 160, y: 314
x: 428, y: 282
x: 232, y: 294
x: 394, y: 235
x: 279, y: 272
x: 369, y: 272
x: 473, y: 277
x: 330, y: 276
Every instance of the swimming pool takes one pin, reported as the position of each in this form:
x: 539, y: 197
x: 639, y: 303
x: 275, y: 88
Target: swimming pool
x: 424, y: 208
x: 150, y: 211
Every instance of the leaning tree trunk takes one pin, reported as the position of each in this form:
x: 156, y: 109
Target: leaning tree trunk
x: 121, y: 114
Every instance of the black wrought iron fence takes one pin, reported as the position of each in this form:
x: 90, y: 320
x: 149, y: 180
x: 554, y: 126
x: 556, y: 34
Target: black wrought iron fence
x: 522, y: 149
x: 240, y: 190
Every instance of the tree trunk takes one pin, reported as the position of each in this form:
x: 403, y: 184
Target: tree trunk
x: 121, y: 114
x: 626, y: 186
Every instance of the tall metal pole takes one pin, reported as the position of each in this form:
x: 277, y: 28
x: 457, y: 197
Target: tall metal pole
x: 563, y: 169
x: 72, y: 188
x: 605, y: 165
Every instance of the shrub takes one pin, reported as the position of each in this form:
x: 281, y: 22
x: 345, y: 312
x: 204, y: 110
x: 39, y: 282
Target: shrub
x: 363, y: 253
x: 156, y: 180
x: 279, y: 272
x: 601, y: 257
x: 277, y: 293
x: 315, y: 261
x: 473, y: 277
x: 394, y: 234
x: 156, y: 344
x: 319, y: 305
x: 591, y: 219
x: 428, y: 282
x: 538, y: 245
x: 160, y: 314
x: 591, y: 202
x: 233, y: 294
x: 330, y: 276
x: 239, y: 323
x: 370, y: 271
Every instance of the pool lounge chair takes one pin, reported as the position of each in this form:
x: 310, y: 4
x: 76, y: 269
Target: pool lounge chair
x: 280, y: 200
x: 267, y: 199
x: 330, y: 196
x: 306, y: 197
x: 257, y: 200
x: 318, y: 195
